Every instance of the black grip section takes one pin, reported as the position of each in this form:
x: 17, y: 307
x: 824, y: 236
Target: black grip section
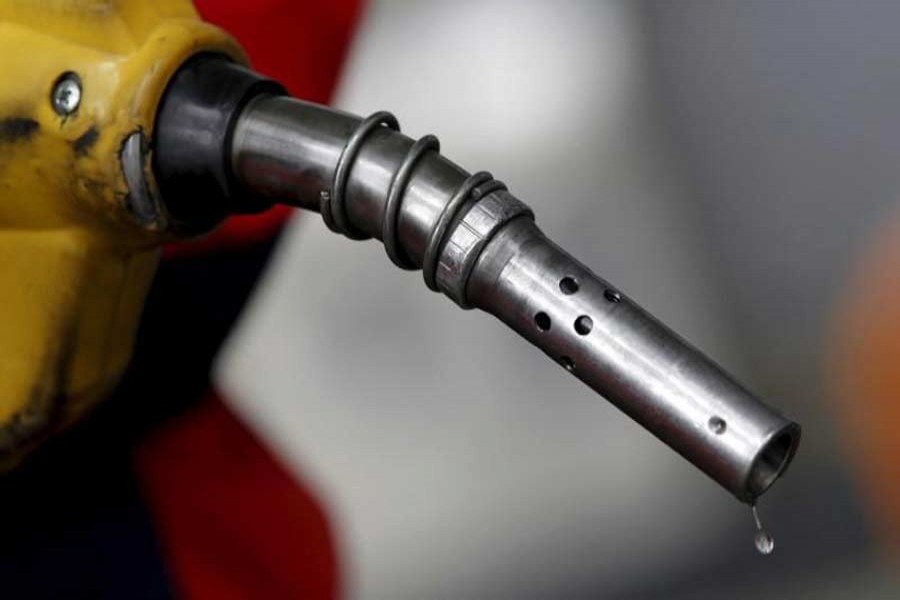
x: 192, y: 140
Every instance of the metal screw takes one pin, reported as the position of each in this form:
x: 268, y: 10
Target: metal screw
x: 66, y: 96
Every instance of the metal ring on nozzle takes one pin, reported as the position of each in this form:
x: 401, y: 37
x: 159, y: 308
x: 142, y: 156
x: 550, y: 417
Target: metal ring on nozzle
x: 439, y: 232
x: 395, y: 194
x: 332, y: 206
x: 334, y: 212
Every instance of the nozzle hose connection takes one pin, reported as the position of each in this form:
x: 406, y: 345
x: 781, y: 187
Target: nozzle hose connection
x: 479, y: 245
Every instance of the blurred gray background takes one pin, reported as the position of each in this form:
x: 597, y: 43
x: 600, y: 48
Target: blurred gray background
x: 724, y: 163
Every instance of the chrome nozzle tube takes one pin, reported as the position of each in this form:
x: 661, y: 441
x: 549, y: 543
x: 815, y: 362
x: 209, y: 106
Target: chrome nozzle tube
x: 621, y: 351
x: 479, y: 245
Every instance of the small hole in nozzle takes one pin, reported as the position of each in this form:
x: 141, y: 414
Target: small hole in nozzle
x: 567, y: 363
x: 568, y: 285
x: 717, y: 425
x: 612, y: 296
x: 583, y: 325
x: 542, y: 320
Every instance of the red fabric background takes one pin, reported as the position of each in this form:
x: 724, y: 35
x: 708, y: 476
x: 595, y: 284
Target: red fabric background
x: 232, y: 523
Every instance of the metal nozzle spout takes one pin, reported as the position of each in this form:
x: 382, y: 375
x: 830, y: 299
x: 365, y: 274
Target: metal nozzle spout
x: 625, y: 354
x: 478, y: 244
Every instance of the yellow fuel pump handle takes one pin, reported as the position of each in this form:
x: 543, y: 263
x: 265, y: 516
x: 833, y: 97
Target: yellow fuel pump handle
x: 82, y: 80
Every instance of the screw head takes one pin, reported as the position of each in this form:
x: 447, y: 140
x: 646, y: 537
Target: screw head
x: 66, y: 96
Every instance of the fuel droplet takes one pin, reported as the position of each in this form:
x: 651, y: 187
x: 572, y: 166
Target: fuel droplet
x: 765, y: 543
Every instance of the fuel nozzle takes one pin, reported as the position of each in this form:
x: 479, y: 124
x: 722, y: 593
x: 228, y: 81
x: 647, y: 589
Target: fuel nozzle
x: 227, y: 140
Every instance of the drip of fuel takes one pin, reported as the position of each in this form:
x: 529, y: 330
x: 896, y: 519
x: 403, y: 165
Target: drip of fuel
x: 765, y: 543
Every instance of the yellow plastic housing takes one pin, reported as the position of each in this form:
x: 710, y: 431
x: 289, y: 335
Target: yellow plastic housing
x: 75, y: 264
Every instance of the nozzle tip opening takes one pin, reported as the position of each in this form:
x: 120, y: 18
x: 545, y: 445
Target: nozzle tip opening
x: 773, y: 460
